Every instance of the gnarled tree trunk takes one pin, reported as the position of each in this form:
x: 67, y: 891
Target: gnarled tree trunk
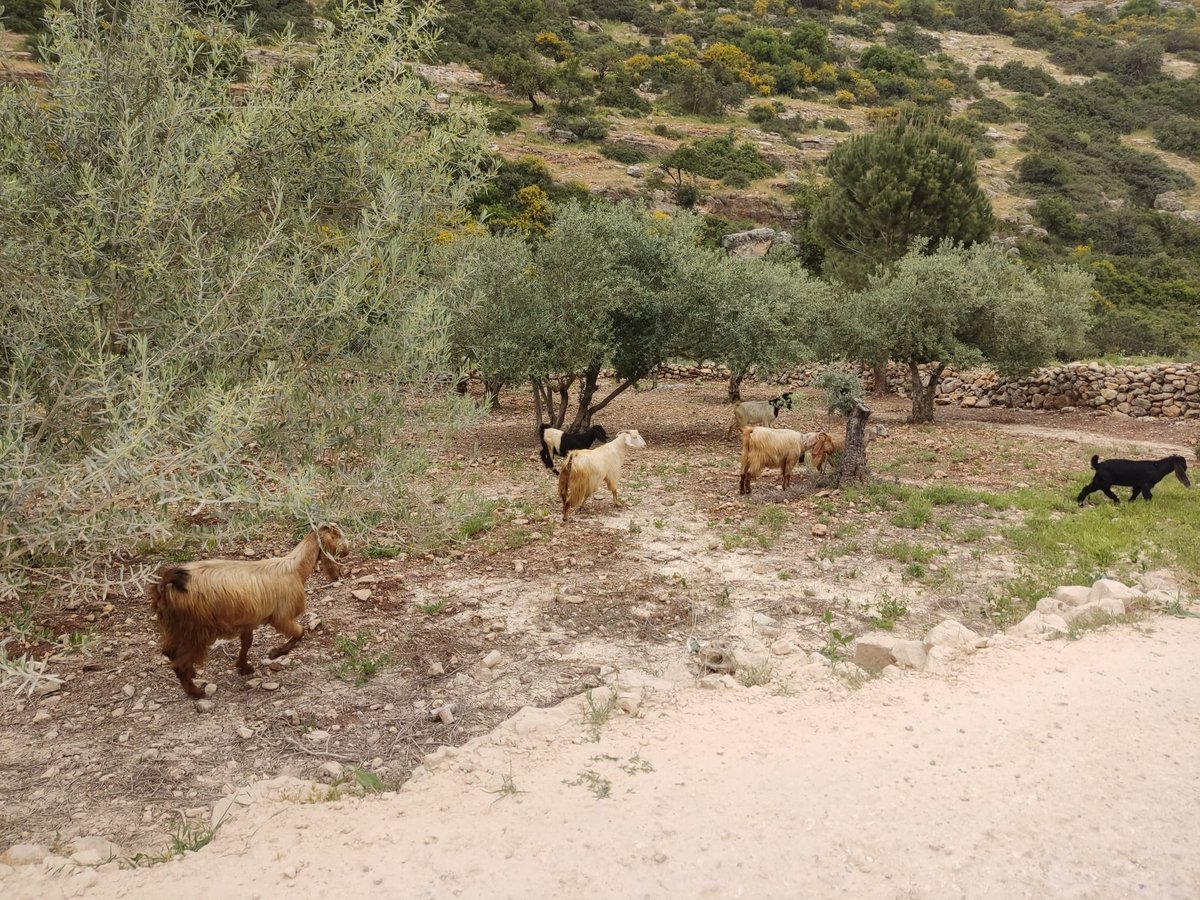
x: 854, y: 457
x: 923, y: 394
x: 880, y: 387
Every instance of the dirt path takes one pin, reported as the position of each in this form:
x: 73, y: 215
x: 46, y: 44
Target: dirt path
x: 1062, y: 769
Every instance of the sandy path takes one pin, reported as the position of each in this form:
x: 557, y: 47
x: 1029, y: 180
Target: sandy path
x: 1062, y: 769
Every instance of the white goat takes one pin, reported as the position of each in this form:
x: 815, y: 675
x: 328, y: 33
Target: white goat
x: 584, y: 470
x: 758, y: 412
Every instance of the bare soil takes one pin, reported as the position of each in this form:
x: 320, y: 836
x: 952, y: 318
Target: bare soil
x: 120, y: 751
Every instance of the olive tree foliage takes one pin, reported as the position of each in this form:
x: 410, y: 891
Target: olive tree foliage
x: 962, y: 306
x: 217, y: 301
x: 612, y: 286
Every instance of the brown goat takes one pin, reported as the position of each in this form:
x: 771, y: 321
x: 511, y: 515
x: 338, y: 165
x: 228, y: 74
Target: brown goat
x: 779, y: 448
x: 200, y: 602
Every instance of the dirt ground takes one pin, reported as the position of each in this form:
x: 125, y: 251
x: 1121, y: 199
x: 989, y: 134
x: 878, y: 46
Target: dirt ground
x: 1047, y: 769
x: 121, y: 752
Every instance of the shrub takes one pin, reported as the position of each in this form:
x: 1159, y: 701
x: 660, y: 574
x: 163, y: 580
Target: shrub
x: 842, y: 389
x: 1016, y: 76
x: 717, y: 158
x: 835, y: 124
x: 623, y: 153
x: 1042, y: 169
x: 1179, y: 134
x: 989, y: 110
x: 501, y: 121
x: 762, y: 112
x: 908, y: 36
x: 209, y: 359
x: 583, y: 124
x: 1057, y: 215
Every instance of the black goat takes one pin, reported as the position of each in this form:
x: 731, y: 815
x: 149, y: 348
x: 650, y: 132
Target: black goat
x: 556, y: 442
x: 1139, y: 474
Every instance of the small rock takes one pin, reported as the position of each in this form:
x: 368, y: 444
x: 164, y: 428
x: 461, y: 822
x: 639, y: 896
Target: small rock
x: 763, y: 620
x: 331, y: 770
x: 1072, y: 595
x: 493, y: 659
x: 94, y: 851
x: 435, y: 668
x: 820, y: 530
x: 445, y: 713
x: 204, y: 706
x: 910, y: 653
x: 519, y: 567
x: 717, y: 661
x: 270, y: 685
x: 128, y: 690
x: 317, y: 735
x: 24, y: 855
x: 245, y: 733
x: 1052, y: 606
x: 210, y: 689
x: 41, y: 716
x: 715, y: 682
x: 874, y: 651
x: 1107, y: 587
x: 783, y: 648
x: 361, y: 594
x: 953, y: 634
x: 48, y: 686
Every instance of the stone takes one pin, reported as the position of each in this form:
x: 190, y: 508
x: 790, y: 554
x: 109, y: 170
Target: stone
x: 1072, y: 594
x: 210, y: 689
x: 749, y: 244
x: 41, y: 716
x: 1169, y: 201
x: 24, y: 855
x: 317, y: 735
x: 270, y: 685
x: 245, y: 733
x: 1108, y: 587
x: 718, y: 661
x: 820, y: 530
x: 493, y: 659
x: 48, y: 686
x: 954, y: 635
x: 128, y: 691
x: 331, y: 771
x: 204, y: 706
x: 361, y: 594
x: 1051, y: 606
x: 783, y: 648
x: 562, y: 136
x: 717, y: 682
x: 94, y: 851
x: 874, y: 651
x: 937, y: 661
x: 636, y: 171
x: 435, y: 668
x: 910, y: 654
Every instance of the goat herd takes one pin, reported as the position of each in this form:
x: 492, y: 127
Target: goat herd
x: 200, y: 602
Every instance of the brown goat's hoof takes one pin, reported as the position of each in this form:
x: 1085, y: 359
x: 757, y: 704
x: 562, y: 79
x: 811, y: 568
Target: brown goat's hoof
x: 245, y: 669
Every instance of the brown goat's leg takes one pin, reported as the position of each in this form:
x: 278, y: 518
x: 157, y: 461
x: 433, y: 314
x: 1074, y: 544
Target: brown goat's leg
x: 185, y: 674
x: 243, y: 666
x: 612, y: 486
x: 289, y: 629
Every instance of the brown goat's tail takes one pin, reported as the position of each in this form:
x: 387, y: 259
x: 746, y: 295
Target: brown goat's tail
x: 564, y: 478
x: 171, y: 579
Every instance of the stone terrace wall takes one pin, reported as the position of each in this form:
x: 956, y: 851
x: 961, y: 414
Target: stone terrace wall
x: 1170, y: 390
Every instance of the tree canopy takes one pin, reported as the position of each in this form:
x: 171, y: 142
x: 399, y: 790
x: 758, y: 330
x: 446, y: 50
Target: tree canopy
x: 907, y: 180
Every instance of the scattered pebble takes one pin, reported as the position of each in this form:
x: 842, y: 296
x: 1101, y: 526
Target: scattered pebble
x: 361, y: 594
x: 204, y: 706
x: 245, y: 733
x: 270, y: 685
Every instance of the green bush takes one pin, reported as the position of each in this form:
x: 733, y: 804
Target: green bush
x: 623, y: 153
x: 1056, y: 215
x: 717, y: 158
x: 842, y: 389
x: 989, y: 110
x: 1179, y: 134
x: 583, y: 124
x: 835, y: 124
x: 762, y: 112
x: 501, y: 121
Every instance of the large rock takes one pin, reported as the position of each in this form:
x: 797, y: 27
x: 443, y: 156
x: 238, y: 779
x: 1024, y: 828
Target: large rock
x: 1109, y: 588
x: 954, y: 635
x: 1052, y: 606
x: 937, y: 661
x: 94, y: 851
x: 24, y: 855
x: 749, y: 244
x: 1109, y: 606
x: 1169, y: 201
x: 874, y: 651
x: 1038, y: 623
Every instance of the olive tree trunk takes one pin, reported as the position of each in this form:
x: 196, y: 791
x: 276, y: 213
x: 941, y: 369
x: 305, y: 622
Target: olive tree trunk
x: 854, y: 457
x: 880, y: 387
x: 923, y: 394
x: 735, y: 386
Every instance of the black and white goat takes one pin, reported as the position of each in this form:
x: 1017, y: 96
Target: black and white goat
x: 556, y: 442
x: 1139, y: 474
x: 757, y: 412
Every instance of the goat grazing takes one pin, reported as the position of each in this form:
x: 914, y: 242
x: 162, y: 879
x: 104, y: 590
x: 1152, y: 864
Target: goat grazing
x: 1139, y: 474
x: 839, y: 443
x: 198, y: 602
x: 556, y: 442
x: 757, y: 412
x: 584, y: 470
x: 779, y: 448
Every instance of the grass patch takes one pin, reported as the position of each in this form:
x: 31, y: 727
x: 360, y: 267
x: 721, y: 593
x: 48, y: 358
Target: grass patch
x: 596, y: 715
x: 906, y: 552
x: 891, y: 610
x: 915, y: 514
x: 432, y: 608
x: 359, y: 664
x: 382, y: 551
x: 600, y: 786
x: 754, y: 676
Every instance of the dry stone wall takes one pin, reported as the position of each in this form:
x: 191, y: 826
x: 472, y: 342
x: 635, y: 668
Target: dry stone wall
x: 1168, y: 390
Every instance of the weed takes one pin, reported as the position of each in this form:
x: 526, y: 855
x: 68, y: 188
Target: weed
x: 634, y: 527
x: 191, y: 837
x: 595, y: 715
x: 972, y: 534
x: 915, y: 571
x: 660, y: 523
x: 891, y: 610
x: 359, y: 664
x: 754, y: 676
x: 19, y: 623
x: 600, y: 786
x: 785, y: 575
x: 381, y: 551
x: 915, y: 514
x: 432, y: 608
x: 78, y: 641
x: 845, y: 530
x: 368, y: 781
x: 635, y: 765
x: 507, y: 787
x: 835, y: 641
x: 1092, y: 620
x: 724, y: 600
x: 906, y: 552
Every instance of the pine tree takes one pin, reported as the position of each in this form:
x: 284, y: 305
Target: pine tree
x: 910, y: 179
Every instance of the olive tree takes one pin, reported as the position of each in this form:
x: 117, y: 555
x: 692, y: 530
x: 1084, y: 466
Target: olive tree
x: 217, y: 300
x: 962, y: 306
